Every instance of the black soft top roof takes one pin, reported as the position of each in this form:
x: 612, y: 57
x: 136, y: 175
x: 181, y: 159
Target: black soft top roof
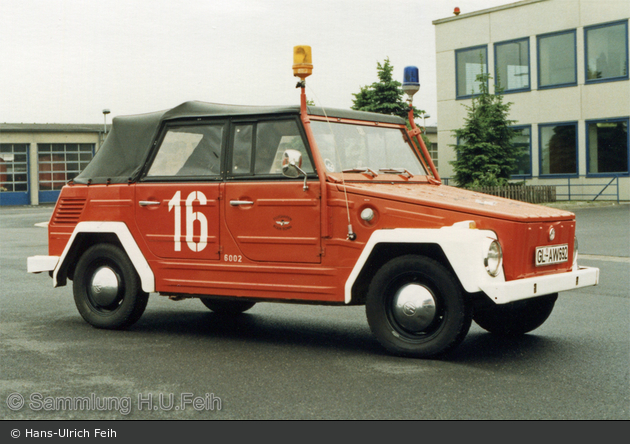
x: 124, y: 151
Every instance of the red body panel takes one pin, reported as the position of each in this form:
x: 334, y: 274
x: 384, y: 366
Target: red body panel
x: 248, y: 254
x: 171, y: 216
x: 281, y: 225
x: 520, y: 227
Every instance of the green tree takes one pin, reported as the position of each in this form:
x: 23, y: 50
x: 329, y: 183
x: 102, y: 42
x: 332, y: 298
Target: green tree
x: 384, y: 96
x: 486, y: 155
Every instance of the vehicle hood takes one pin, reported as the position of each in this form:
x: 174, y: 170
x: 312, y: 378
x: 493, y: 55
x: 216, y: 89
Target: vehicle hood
x: 460, y: 200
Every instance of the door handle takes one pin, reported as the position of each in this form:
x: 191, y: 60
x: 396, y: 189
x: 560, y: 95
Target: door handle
x: 146, y: 203
x: 235, y: 203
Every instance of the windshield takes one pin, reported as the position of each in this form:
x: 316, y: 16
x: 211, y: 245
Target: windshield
x: 355, y: 148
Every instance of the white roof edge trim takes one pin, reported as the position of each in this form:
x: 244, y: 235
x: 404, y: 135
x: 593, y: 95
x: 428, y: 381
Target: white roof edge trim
x: 486, y: 11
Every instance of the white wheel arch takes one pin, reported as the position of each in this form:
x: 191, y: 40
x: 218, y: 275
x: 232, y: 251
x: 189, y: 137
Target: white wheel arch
x: 127, y: 241
x: 464, y: 247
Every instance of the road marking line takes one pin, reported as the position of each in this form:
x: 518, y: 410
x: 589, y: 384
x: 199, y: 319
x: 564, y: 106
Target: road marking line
x: 595, y: 257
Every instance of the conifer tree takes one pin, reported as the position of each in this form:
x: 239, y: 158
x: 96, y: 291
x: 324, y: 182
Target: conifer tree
x: 384, y: 96
x: 486, y: 155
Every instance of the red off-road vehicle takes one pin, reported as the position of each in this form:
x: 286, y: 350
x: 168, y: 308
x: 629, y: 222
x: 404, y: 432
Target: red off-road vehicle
x: 237, y: 205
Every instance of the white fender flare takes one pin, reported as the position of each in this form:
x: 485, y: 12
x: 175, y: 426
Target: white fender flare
x: 465, y: 248
x: 147, y: 278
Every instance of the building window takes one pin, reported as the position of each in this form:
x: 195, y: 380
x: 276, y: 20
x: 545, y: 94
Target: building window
x: 607, y: 146
x: 606, y: 52
x: 469, y: 63
x: 433, y: 152
x: 13, y: 167
x: 558, y: 149
x: 523, y: 140
x: 60, y: 162
x: 511, y: 65
x: 557, y: 64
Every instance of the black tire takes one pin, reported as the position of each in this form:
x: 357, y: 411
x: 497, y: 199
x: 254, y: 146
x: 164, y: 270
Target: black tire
x: 415, y: 328
x: 516, y: 318
x: 227, y: 306
x: 107, y: 290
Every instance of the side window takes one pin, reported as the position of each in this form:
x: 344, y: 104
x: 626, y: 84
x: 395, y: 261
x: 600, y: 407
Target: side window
x: 189, y: 151
x: 272, y: 140
x: 242, y: 149
x: 257, y: 148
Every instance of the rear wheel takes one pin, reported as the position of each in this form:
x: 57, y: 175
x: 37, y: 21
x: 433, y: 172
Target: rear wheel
x: 415, y: 307
x: 516, y: 318
x: 227, y: 306
x: 107, y: 290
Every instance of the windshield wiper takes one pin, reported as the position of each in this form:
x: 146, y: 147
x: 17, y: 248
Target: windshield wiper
x: 369, y: 171
x: 401, y: 171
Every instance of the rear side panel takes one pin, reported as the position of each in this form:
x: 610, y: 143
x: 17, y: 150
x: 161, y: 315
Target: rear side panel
x: 66, y: 215
x: 79, y: 203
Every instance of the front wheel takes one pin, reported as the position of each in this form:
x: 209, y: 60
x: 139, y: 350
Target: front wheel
x: 516, y: 318
x: 107, y: 290
x: 415, y: 307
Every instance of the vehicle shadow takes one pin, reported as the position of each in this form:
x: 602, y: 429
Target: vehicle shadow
x: 484, y: 347
x: 263, y: 329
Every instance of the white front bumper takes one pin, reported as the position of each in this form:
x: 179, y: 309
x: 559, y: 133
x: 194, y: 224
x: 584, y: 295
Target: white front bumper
x: 37, y: 264
x: 504, y: 292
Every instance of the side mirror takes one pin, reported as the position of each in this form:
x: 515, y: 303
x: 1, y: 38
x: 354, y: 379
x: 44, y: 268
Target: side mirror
x: 291, y: 163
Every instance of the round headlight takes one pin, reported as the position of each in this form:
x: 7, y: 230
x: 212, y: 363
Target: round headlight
x: 493, y: 259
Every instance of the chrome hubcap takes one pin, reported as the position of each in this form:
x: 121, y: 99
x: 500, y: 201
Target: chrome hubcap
x: 414, y: 307
x: 104, y: 287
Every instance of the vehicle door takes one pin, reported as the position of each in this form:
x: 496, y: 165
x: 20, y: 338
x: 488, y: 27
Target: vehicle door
x: 270, y: 218
x: 177, y: 199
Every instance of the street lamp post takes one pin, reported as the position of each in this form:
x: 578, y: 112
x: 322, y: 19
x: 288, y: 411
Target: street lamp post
x: 105, y: 113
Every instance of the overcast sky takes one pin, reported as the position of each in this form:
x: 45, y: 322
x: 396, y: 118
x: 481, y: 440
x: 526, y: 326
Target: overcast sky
x: 64, y: 61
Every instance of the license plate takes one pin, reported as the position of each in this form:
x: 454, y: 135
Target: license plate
x: 553, y: 254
